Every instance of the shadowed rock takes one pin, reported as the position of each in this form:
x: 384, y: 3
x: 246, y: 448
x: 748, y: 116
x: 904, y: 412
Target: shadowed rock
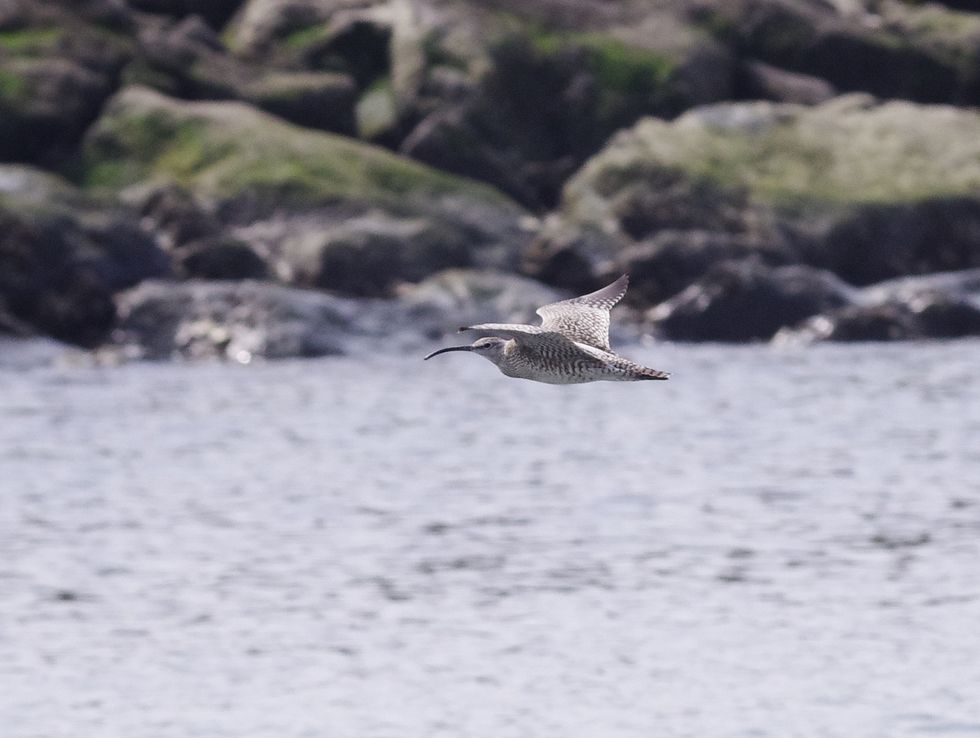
x: 187, y: 59
x: 215, y: 12
x: 920, y: 52
x: 369, y: 255
x: 226, y: 151
x: 220, y: 258
x: 59, y: 62
x: 672, y: 260
x: 933, y: 306
x: 746, y: 301
x: 759, y: 81
x: 62, y: 256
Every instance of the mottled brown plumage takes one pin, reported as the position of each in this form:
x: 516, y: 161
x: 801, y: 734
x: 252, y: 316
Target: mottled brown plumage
x: 571, y: 346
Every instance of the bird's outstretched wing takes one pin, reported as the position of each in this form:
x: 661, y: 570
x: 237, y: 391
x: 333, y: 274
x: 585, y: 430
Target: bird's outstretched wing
x: 549, y: 345
x: 527, y: 335
x: 585, y: 319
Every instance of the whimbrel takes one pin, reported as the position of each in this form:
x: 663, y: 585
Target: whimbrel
x: 570, y: 346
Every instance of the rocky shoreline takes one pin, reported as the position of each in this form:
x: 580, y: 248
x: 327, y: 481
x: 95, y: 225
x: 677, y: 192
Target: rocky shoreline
x: 275, y: 178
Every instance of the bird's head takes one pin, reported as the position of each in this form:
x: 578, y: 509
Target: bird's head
x: 490, y: 347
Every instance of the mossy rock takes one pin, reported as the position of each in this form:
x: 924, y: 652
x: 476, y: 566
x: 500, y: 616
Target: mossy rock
x: 870, y: 190
x: 63, y: 254
x: 32, y: 41
x: 917, y: 51
x: 226, y: 151
x: 630, y: 80
x: 57, y: 66
x: 850, y: 150
x: 540, y: 96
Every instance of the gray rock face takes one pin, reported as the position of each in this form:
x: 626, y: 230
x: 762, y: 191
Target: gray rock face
x: 243, y: 321
x: 569, y: 258
x: 221, y: 257
x: 670, y: 261
x: 41, y: 290
x: 369, y: 255
x: 933, y: 306
x: 867, y: 190
x: 746, y: 301
x: 187, y: 59
x: 239, y: 321
x: 890, y: 49
x: 437, y: 306
x: 62, y: 256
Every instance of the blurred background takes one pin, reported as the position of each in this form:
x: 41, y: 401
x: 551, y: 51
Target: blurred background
x: 234, y: 502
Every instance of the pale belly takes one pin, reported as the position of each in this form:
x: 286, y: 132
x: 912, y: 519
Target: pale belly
x: 567, y: 377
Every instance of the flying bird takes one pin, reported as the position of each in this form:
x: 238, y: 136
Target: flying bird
x: 571, y: 346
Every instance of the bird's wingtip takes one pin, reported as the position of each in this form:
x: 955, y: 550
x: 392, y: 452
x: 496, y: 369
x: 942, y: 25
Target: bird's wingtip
x: 463, y: 329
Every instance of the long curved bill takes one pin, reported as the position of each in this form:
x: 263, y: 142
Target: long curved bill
x: 445, y: 350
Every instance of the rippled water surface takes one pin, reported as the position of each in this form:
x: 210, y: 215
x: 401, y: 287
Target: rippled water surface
x: 774, y: 543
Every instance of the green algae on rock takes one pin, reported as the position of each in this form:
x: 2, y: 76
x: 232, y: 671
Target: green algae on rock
x: 227, y: 150
x: 860, y: 187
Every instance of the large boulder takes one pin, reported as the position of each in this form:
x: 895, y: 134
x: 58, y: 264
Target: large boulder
x: 187, y: 59
x: 221, y: 257
x: 671, y: 260
x: 228, y: 153
x: 747, y: 301
x: 936, y: 316
x: 63, y: 256
x: 370, y: 255
x: 922, y: 52
x: 933, y: 306
x: 867, y: 190
x: 240, y: 321
x: 321, y: 210
x: 59, y: 62
x: 351, y: 37
x: 573, y: 258
x: 244, y: 321
x: 42, y: 291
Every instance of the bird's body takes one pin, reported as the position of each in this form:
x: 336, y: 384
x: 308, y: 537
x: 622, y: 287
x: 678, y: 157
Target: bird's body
x: 571, y: 346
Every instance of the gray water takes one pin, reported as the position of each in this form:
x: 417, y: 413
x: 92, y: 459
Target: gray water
x: 774, y: 543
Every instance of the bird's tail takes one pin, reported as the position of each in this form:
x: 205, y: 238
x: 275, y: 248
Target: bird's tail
x: 647, y: 373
